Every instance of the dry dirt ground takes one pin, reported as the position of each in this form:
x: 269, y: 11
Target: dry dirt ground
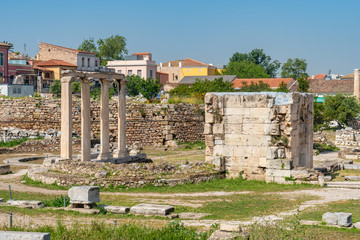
x: 323, y: 196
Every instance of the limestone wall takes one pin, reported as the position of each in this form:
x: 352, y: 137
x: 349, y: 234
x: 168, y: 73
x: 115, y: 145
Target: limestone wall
x: 150, y: 124
x: 261, y: 136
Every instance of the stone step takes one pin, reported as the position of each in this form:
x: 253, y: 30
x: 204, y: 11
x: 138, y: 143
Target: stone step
x: 352, y: 166
x: 352, y: 178
x: 151, y: 209
x: 14, y: 235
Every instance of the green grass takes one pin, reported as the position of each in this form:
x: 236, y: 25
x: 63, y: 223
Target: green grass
x: 102, y: 231
x: 198, y: 145
x: 236, y: 184
x: 351, y: 206
x: 13, y: 143
x: 57, y: 202
x: 339, y: 175
x: 323, y: 147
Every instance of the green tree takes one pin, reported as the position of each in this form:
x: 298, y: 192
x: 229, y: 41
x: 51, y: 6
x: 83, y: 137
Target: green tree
x: 55, y: 88
x: 112, y: 48
x: 255, y: 87
x: 133, y: 85
x: 108, y: 49
x: 245, y: 69
x: 149, y: 88
x: 200, y: 87
x: 258, y: 57
x: 340, y: 108
x: 282, y: 87
x: 294, y: 68
x: 304, y: 84
x: 75, y: 87
x: 88, y: 45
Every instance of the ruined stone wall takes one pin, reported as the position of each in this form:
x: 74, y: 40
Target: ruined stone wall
x: 48, y: 52
x: 348, y: 141
x: 150, y: 124
x: 261, y: 136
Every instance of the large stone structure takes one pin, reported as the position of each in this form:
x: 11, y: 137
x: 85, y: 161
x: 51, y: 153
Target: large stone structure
x: 262, y: 136
x: 66, y: 114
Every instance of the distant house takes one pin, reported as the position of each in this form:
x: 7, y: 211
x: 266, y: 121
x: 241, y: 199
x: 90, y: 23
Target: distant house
x: 16, y: 75
x: 321, y: 76
x: 274, y: 83
x: 140, y: 64
x: 51, y: 70
x: 191, y: 79
x: 85, y: 61
x: 163, y: 77
x: 322, y: 88
x: 178, y: 69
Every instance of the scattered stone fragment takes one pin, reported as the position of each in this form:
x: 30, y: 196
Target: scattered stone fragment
x: 192, y: 215
x: 117, y: 209
x: 352, y: 178
x: 221, y: 235
x: 173, y: 216
x: 344, y: 219
x: 84, y: 210
x: 4, y: 169
x: 14, y: 235
x: 230, y: 227
x: 356, y: 225
x: 1, y: 200
x: 327, y: 178
x: 26, y: 203
x: 151, y: 209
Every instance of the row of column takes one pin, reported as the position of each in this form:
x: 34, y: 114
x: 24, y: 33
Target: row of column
x: 66, y: 119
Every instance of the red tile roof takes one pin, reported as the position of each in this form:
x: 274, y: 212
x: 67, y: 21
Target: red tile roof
x: 191, y: 62
x: 319, y: 76
x: 331, y: 86
x: 54, y: 62
x: 42, y: 69
x: 70, y: 49
x: 143, y: 53
x: 273, y: 82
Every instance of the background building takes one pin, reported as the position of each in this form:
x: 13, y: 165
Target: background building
x: 140, y: 64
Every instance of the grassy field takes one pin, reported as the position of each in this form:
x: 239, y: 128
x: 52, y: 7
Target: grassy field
x: 339, y: 175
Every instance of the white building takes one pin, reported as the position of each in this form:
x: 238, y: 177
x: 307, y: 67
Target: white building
x: 140, y: 64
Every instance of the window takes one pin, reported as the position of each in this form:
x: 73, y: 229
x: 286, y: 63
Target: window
x: 119, y: 71
x: 1, y: 59
x: 19, y: 91
x: 88, y: 62
x: 96, y: 63
x: 139, y: 73
x: 176, y: 77
x: 130, y: 72
x: 14, y: 90
x: 83, y: 62
x: 151, y: 74
x: 47, y: 75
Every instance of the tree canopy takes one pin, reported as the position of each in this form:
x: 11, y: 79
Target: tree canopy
x: 108, y: 49
x: 149, y: 88
x: 294, y: 68
x: 258, y: 57
x: 255, y: 87
x: 245, y: 69
x: 338, y: 108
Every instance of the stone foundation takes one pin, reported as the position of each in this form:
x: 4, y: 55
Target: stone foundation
x: 262, y: 136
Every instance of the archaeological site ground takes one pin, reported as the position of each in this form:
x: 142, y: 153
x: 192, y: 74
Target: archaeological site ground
x: 239, y: 166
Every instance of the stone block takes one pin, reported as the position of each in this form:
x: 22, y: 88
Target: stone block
x: 254, y: 128
x: 274, y: 129
x: 357, y: 225
x: 117, y: 209
x: 344, y: 219
x: 352, y: 166
x: 151, y: 209
x: 218, y: 128
x: 352, y: 178
x: 278, y: 173
x: 209, y: 117
x: 219, y: 163
x: 26, y: 203
x: 84, y: 194
x: 15, y: 235
x: 232, y: 101
x: 210, y: 140
x: 278, y: 164
x: 236, y: 119
x: 208, y: 98
x: 330, y: 218
x: 272, y: 153
x: 207, y: 129
x: 230, y: 227
x: 4, y: 169
x: 192, y: 215
x: 232, y: 128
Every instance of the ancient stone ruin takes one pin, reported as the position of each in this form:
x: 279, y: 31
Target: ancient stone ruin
x: 263, y: 136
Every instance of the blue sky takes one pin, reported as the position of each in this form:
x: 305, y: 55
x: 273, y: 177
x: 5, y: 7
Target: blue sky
x: 325, y: 33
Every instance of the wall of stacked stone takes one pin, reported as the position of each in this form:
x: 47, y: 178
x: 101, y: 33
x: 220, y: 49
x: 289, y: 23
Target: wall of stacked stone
x: 151, y: 124
x: 262, y: 136
x: 348, y: 140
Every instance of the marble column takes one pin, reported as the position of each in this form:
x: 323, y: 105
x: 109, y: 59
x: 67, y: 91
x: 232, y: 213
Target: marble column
x: 104, y: 121
x: 122, y: 151
x: 66, y: 118
x: 85, y: 120
x: 356, y: 83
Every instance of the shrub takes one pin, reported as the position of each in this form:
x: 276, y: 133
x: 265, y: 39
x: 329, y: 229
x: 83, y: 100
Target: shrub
x: 55, y: 88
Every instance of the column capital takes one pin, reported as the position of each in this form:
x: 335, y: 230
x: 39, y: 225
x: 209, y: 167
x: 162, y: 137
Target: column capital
x: 85, y: 80
x: 105, y: 80
x: 68, y: 79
